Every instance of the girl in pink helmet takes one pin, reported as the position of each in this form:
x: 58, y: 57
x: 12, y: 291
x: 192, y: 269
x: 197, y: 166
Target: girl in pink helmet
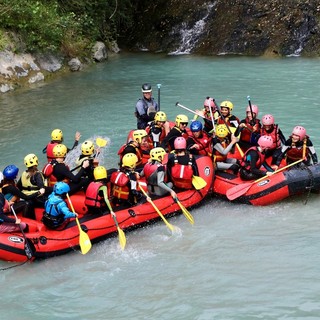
x: 209, y: 103
x: 249, y: 128
x: 254, y: 159
x: 298, y: 146
x: 269, y: 128
x: 181, y: 165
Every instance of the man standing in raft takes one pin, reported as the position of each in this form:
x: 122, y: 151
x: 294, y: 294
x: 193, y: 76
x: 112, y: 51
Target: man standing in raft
x: 146, y: 107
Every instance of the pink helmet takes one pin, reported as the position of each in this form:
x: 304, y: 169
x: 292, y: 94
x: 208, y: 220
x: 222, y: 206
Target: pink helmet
x: 268, y: 120
x: 265, y: 142
x: 180, y: 143
x: 254, y: 108
x: 208, y: 102
x: 299, y: 131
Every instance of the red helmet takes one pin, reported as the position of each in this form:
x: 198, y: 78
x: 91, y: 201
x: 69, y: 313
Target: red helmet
x: 180, y: 143
x: 254, y: 108
x: 208, y: 102
x: 265, y: 142
x: 299, y: 131
x: 268, y: 120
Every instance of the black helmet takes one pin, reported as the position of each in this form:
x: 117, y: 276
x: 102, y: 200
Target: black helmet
x: 146, y: 87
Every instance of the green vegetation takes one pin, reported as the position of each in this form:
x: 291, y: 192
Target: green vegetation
x: 70, y: 26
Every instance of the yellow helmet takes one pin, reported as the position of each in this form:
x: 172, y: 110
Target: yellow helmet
x: 157, y: 154
x: 137, y: 135
x: 221, y: 131
x: 160, y: 116
x: 56, y: 135
x: 31, y: 160
x: 87, y: 148
x: 129, y: 160
x: 99, y: 173
x: 181, y: 118
x: 60, y: 150
x: 227, y: 104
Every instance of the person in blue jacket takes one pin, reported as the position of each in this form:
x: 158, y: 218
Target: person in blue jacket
x: 57, y: 213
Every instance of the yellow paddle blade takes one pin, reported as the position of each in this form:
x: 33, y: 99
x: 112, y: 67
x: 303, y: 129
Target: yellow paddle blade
x: 198, y: 182
x: 186, y: 213
x: 84, y: 240
x: 101, y: 142
x: 122, y: 238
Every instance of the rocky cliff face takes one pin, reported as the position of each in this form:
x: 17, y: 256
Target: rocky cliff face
x: 248, y: 27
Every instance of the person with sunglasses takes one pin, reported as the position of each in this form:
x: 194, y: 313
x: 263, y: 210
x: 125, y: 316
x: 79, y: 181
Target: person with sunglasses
x: 179, y: 130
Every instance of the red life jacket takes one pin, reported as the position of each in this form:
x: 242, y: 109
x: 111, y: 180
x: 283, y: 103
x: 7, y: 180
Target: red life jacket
x: 246, y: 164
x: 161, y: 135
x: 247, y: 131
x: 92, y: 195
x: 296, y: 152
x: 49, y: 150
x: 120, y: 182
x: 150, y: 171
x: 274, y: 135
x: 182, y: 174
x: 203, y: 142
x: 138, y: 152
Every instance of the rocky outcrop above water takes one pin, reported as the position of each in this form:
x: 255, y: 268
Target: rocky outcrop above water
x: 243, y: 27
x: 18, y: 70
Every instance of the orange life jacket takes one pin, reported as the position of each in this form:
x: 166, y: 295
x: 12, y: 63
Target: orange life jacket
x: 93, y: 198
x: 120, y: 182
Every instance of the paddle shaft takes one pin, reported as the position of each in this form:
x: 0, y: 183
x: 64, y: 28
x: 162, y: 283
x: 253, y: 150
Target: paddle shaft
x: 169, y: 225
x: 27, y: 248
x: 186, y: 108
x: 250, y: 106
x: 159, y: 86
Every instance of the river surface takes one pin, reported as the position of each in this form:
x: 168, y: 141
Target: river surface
x: 236, y: 262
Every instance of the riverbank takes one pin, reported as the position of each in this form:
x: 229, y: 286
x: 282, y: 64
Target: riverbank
x: 25, y: 69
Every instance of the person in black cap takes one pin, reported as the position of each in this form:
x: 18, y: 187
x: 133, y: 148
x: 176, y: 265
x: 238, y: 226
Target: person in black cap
x: 146, y: 107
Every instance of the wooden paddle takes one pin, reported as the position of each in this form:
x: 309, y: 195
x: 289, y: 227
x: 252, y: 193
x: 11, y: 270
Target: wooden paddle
x: 241, y: 189
x: 122, y: 236
x: 198, y: 182
x: 169, y: 225
x: 186, y: 213
x: 27, y: 249
x: 84, y: 240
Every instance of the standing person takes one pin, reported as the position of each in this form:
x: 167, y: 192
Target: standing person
x: 7, y: 224
x: 198, y: 142
x: 179, y: 130
x: 158, y: 129
x: 57, y: 213
x: 155, y: 173
x: 208, y: 104
x: 254, y: 159
x: 181, y: 166
x: 221, y: 146
x: 269, y: 128
x: 298, y: 146
x: 249, y: 128
x: 226, y: 108
x: 57, y: 138
x: 125, y: 183
x: 14, y: 195
x: 95, y: 200
x: 61, y: 172
x: 146, y: 107
x: 32, y: 180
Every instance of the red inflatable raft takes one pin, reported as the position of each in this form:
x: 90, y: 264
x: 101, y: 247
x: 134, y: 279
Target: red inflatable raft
x: 281, y: 185
x: 45, y: 243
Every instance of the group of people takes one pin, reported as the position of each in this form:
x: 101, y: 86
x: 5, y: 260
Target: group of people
x: 162, y: 152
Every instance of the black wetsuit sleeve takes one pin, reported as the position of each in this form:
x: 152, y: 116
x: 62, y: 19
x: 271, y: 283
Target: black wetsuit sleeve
x: 16, y: 192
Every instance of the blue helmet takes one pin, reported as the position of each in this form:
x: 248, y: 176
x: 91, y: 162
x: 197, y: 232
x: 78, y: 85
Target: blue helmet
x: 195, y: 126
x: 61, y: 188
x: 10, y: 172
